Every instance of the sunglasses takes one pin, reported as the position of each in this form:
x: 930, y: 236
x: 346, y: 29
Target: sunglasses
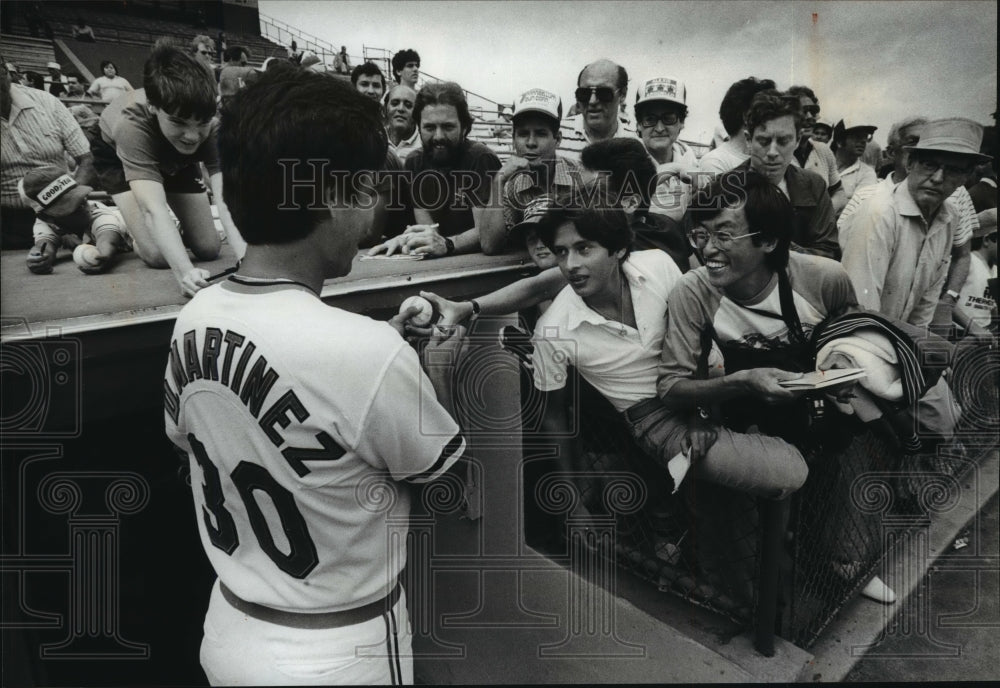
x: 811, y: 110
x: 605, y: 94
x: 668, y: 118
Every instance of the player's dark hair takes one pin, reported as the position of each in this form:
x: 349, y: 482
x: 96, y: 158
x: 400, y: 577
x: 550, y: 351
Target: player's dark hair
x: 737, y: 100
x: 766, y: 208
x: 772, y: 104
x: 594, y: 213
x: 400, y: 59
x: 105, y: 63
x: 444, y: 93
x: 630, y: 168
x: 178, y: 84
x: 367, y: 69
x: 284, y: 141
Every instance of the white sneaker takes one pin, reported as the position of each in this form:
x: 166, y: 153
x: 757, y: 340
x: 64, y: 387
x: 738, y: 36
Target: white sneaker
x: 879, y: 591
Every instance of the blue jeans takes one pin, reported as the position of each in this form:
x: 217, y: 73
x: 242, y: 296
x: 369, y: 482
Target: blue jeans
x: 759, y: 465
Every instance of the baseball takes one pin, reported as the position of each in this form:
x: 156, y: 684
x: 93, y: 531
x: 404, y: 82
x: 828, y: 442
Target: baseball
x: 426, y: 313
x: 86, y: 256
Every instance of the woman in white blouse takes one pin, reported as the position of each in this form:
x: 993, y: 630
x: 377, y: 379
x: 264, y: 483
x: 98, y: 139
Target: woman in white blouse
x: 109, y: 86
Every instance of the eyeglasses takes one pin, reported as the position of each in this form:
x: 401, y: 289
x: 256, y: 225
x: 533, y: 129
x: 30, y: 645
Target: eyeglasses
x: 605, y: 94
x: 668, y: 118
x: 723, y: 241
x: 811, y: 110
x: 929, y: 166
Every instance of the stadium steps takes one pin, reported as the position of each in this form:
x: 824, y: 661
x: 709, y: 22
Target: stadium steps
x: 29, y: 54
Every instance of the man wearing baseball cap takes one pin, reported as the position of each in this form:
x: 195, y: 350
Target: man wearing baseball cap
x: 55, y: 82
x: 822, y: 131
x: 64, y: 216
x: 849, y: 142
x: 660, y: 111
x: 898, y: 248
x: 532, y: 172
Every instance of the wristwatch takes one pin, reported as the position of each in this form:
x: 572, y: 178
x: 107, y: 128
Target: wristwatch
x: 953, y: 294
x: 449, y: 246
x: 476, y: 308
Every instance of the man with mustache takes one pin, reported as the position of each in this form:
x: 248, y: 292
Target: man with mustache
x: 450, y: 178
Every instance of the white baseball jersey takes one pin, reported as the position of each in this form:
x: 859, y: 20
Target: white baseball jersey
x: 297, y: 419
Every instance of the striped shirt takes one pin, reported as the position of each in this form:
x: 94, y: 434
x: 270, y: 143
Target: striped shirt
x: 40, y: 131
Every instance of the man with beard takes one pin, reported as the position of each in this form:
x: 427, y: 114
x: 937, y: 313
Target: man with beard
x: 451, y: 178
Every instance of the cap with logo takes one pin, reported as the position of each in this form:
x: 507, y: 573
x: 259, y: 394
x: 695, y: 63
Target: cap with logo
x: 663, y: 88
x: 541, y: 101
x: 533, y: 214
x: 952, y: 135
x: 51, y: 191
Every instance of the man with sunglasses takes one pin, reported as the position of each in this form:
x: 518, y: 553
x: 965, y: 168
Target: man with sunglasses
x: 600, y: 89
x: 660, y: 111
x: 812, y: 155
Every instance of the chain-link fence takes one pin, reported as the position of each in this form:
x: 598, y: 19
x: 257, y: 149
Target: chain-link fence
x: 704, y: 543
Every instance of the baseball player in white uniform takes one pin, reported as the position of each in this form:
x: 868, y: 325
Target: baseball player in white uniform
x: 303, y: 422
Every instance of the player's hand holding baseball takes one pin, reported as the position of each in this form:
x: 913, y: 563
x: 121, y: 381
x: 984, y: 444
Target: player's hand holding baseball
x: 193, y: 280
x: 400, y: 321
x: 452, y: 312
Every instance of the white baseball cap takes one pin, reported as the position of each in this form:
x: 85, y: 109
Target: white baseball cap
x: 665, y: 88
x: 539, y: 100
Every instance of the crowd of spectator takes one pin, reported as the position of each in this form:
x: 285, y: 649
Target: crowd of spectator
x: 688, y: 292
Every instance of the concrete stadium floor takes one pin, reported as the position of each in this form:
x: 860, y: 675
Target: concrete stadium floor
x: 962, y: 607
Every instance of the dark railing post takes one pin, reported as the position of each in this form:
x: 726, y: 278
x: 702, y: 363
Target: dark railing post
x: 767, y: 584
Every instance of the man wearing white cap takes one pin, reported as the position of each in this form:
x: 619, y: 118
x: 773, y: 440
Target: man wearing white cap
x: 898, y: 248
x: 903, y: 134
x: 55, y: 82
x: 849, y: 142
x: 533, y: 171
x: 660, y: 111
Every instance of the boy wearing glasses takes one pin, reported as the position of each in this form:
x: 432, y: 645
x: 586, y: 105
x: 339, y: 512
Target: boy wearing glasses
x: 660, y: 111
